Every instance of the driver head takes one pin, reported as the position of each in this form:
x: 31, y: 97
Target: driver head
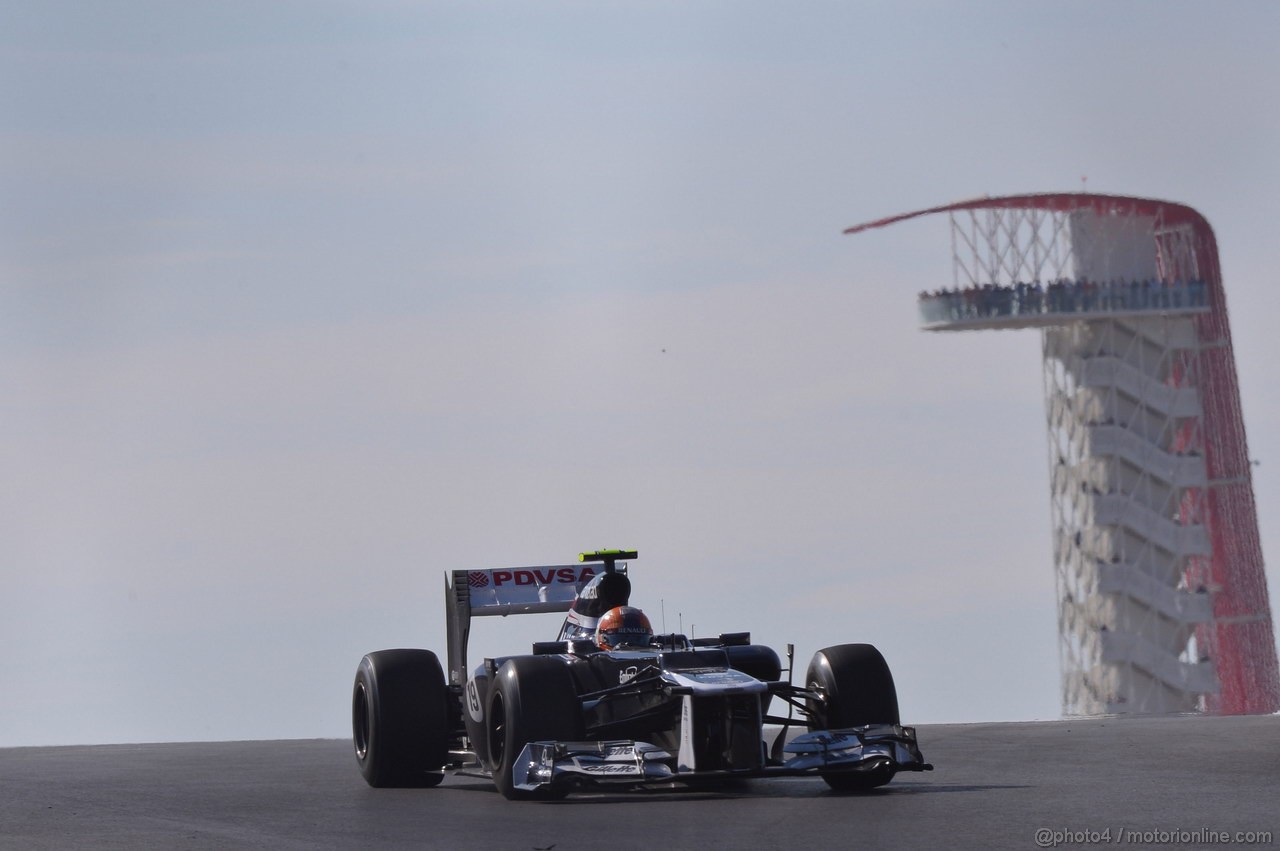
x: 623, y: 626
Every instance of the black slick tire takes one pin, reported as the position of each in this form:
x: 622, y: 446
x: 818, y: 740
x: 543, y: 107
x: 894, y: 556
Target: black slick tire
x: 857, y: 689
x: 532, y: 699
x: 399, y: 718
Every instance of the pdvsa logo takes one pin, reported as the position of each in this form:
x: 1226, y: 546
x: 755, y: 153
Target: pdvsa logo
x: 539, y: 576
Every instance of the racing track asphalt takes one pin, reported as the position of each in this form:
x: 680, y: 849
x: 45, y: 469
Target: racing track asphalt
x: 995, y: 786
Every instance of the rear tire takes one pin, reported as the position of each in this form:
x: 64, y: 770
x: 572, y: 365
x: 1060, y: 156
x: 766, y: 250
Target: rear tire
x: 858, y: 690
x: 532, y: 699
x: 399, y: 718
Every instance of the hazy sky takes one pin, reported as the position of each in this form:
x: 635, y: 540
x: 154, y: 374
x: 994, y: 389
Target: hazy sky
x: 303, y: 304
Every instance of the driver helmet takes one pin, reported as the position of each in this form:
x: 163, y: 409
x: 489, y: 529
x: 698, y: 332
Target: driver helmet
x: 623, y: 626
x: 602, y: 592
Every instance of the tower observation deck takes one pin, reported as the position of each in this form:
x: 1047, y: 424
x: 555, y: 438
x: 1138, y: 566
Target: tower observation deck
x: 1162, y: 596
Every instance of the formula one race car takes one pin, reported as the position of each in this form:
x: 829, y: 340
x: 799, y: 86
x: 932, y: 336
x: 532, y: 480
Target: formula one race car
x: 608, y: 704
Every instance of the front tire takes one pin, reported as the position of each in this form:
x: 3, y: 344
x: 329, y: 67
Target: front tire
x: 532, y: 699
x: 399, y: 719
x: 857, y: 689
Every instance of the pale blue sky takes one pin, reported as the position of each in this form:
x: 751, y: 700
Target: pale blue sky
x: 304, y: 304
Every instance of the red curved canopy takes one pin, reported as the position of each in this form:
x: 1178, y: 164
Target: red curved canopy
x: 1059, y: 202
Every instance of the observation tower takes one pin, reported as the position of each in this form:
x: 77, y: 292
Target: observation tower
x: 1162, y: 595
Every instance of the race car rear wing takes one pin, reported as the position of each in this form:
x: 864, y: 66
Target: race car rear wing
x: 515, y: 591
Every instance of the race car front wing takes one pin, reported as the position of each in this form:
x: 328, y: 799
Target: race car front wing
x: 873, y: 747
x: 544, y: 764
x: 857, y: 748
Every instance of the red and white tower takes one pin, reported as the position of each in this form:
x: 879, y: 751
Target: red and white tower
x: 1162, y: 596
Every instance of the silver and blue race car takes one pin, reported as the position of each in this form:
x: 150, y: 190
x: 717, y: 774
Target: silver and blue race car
x: 610, y: 705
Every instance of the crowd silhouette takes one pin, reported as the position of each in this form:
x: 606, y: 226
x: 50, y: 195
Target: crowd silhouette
x: 1061, y: 296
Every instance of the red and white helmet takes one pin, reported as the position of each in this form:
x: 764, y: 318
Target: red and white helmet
x: 622, y: 627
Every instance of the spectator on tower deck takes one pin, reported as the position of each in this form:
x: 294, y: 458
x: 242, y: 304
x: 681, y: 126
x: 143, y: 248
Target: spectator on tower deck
x: 1057, y: 297
x: 1115, y: 294
x: 1090, y: 295
x: 1196, y: 292
x: 1004, y: 301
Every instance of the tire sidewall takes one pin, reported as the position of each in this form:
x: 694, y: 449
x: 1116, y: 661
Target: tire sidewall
x: 531, y: 699
x: 400, y: 716
x: 857, y: 686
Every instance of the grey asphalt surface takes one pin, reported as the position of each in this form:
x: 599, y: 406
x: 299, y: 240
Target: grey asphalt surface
x: 995, y: 786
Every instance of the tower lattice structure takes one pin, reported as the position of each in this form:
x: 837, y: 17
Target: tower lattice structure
x: 1162, y: 597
